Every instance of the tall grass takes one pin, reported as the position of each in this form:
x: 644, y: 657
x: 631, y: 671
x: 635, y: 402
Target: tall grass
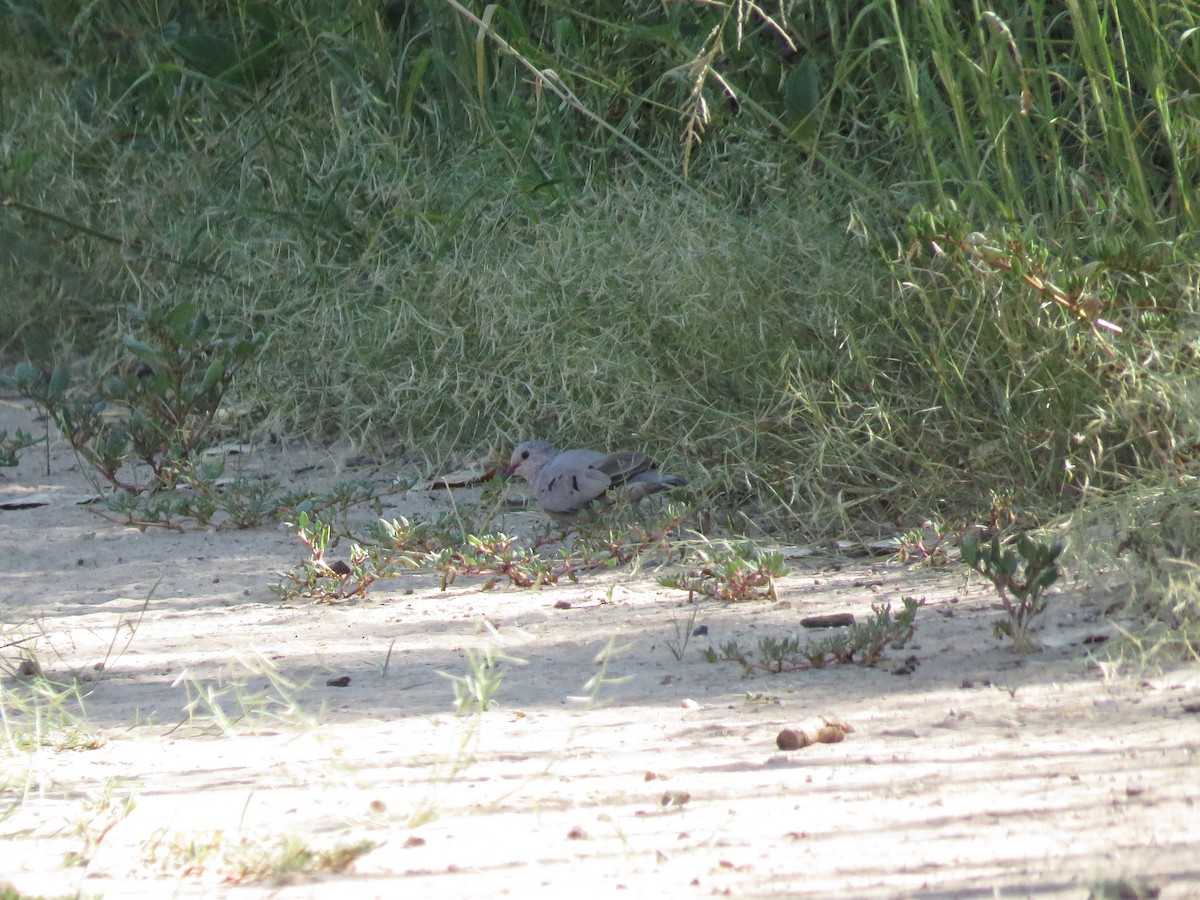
x: 858, y: 263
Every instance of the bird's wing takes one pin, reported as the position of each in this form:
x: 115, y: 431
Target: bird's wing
x: 624, y: 465
x: 571, y: 481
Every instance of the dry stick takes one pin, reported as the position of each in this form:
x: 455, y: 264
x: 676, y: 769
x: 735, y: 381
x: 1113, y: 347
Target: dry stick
x: 1047, y: 288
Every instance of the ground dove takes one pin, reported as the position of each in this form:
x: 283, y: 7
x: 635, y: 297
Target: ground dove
x: 566, y: 481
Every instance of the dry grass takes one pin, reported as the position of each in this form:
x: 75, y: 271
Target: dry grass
x: 445, y: 261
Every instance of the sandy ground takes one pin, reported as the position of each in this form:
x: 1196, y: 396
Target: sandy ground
x: 979, y: 773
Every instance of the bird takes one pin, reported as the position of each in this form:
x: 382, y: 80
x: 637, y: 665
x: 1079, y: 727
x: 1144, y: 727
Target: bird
x: 565, y: 482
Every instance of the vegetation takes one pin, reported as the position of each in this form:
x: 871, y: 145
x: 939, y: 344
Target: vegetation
x: 1023, y: 596
x: 858, y: 263
x: 865, y: 643
x: 929, y: 269
x: 731, y: 572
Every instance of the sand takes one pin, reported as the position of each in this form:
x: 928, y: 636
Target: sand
x: 219, y: 724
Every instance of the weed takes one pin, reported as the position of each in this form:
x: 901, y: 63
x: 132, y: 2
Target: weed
x: 678, y: 644
x: 230, y: 704
x: 927, y: 545
x: 10, y: 447
x: 497, y: 555
x: 1165, y: 627
x: 1023, y: 596
x: 594, y: 685
x: 245, y: 860
x: 1123, y: 889
x: 864, y: 643
x: 165, y: 393
x: 101, y: 812
x: 157, y: 409
x: 474, y: 690
x: 319, y: 579
x: 39, y: 712
x: 387, y: 660
x: 731, y: 572
x: 443, y: 546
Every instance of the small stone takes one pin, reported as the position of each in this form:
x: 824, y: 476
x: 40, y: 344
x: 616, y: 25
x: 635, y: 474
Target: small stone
x: 562, y: 604
x: 340, y: 681
x: 689, y: 704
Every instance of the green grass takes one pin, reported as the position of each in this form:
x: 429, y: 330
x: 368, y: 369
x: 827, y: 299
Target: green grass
x: 885, y: 291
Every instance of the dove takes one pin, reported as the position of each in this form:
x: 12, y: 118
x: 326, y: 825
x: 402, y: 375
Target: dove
x: 564, y: 482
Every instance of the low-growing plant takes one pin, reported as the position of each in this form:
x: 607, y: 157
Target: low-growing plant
x: 1162, y: 627
x: 443, y: 546
x: 594, y: 685
x: 683, y: 634
x: 732, y: 571
x: 387, y: 659
x: 927, y: 545
x: 39, y: 709
x: 250, y: 694
x: 475, y: 689
x: 244, y: 859
x: 100, y: 813
x: 10, y: 447
x: 865, y: 644
x: 157, y: 408
x: 37, y: 712
x: 498, y: 555
x: 319, y: 579
x: 1023, y: 595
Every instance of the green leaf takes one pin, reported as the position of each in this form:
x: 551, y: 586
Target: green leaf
x: 59, y: 381
x: 970, y: 549
x: 25, y: 373
x: 242, y: 349
x: 802, y: 90
x: 1027, y: 547
x: 667, y: 35
x: 212, y: 376
x: 20, y: 166
x: 143, y: 351
x: 199, y: 329
x: 179, y: 319
x: 1047, y: 577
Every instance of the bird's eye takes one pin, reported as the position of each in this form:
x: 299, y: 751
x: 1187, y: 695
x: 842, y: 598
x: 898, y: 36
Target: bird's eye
x: 524, y: 454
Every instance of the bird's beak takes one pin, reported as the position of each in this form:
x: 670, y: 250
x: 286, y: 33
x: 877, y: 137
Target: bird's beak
x: 509, y: 472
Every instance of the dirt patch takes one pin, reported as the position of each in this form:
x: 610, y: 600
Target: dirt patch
x: 225, y: 733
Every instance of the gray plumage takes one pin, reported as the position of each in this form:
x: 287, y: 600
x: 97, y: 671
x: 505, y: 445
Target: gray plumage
x: 564, y: 482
